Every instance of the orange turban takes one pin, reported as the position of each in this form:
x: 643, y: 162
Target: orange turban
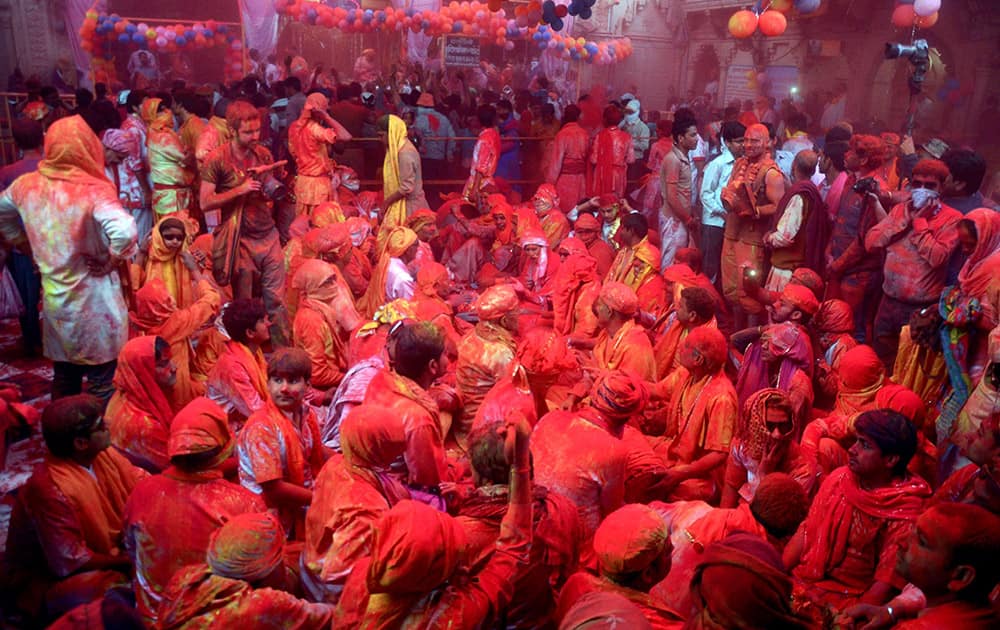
x: 710, y: 343
x: 860, y: 368
x: 547, y: 194
x: 326, y: 214
x: 617, y: 394
x: 316, y: 101
x: 587, y: 221
x: 834, y: 316
x: 199, y: 427
x: 800, y: 297
x: 247, y: 547
x: 630, y: 539
x: 420, y: 219
x: 620, y: 298
x: 810, y: 280
x: 414, y: 550
x: 902, y: 400
x: 495, y: 302
x: 429, y: 275
x: 399, y: 240
x: 153, y: 305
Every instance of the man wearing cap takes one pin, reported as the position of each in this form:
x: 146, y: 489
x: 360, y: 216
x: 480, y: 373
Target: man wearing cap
x: 241, y: 581
x: 918, y: 238
x: 639, y: 130
x: 486, y: 353
x: 567, y: 168
x: 189, y: 496
x: 309, y: 141
x: 633, y: 552
x: 437, y: 149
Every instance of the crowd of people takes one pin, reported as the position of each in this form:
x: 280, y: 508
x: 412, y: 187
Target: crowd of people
x: 719, y: 370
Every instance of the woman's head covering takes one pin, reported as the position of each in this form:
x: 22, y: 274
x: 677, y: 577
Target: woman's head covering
x: 326, y: 214
x: 317, y: 280
x: 902, y: 400
x: 629, y: 540
x: 148, y: 110
x: 536, y: 237
x: 495, y: 302
x: 135, y: 378
x: 120, y: 141
x: 73, y: 153
x: 618, y: 395
x: 415, y: 548
x: 648, y: 254
x: 860, y: 369
x: 386, y: 315
x: 428, y: 276
x: 247, y: 547
x: 317, y: 101
x: 153, y: 305
x: 399, y: 240
x: 752, y: 429
x: 334, y: 240
x: 202, y: 425
x: 833, y: 317
x: 983, y: 265
x: 421, y: 219
x: 572, y: 245
x: 741, y: 583
x: 801, y: 297
x: 360, y: 229
x: 368, y: 437
x: 299, y: 226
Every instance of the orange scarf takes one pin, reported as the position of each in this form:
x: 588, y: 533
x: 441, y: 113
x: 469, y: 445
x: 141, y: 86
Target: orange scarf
x: 253, y: 363
x: 99, y: 499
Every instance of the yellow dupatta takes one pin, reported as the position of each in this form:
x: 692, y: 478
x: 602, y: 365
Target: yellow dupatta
x: 395, y: 214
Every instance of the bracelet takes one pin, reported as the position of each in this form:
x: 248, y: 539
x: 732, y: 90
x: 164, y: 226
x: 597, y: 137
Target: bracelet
x: 892, y: 616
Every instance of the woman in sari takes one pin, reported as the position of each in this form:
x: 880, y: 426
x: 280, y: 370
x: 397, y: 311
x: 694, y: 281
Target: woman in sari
x: 165, y: 259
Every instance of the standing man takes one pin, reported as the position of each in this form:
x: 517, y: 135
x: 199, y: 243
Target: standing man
x: 309, y: 141
x: 246, y: 242
x: 85, y: 320
x: 751, y: 197
x: 676, y: 220
x: 485, y: 156
x: 568, y: 167
x: 403, y: 183
x: 713, y: 215
x: 610, y: 156
x: 437, y: 133
x: 639, y: 130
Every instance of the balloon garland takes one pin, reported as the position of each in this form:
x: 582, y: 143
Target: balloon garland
x: 100, y: 31
x: 914, y: 14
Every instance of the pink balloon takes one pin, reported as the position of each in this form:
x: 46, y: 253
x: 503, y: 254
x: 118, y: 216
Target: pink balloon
x: 925, y: 8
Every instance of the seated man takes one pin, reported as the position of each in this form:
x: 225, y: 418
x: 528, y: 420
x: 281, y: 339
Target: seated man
x: 633, y: 554
x: 238, y: 382
x: 696, y: 307
x: 416, y: 360
x: 861, y: 515
x: 189, y: 496
x: 951, y: 556
x: 242, y: 581
x: 64, y: 546
x: 279, y: 450
x: 700, y: 419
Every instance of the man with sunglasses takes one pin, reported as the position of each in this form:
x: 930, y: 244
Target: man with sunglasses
x: 64, y: 546
x: 918, y: 238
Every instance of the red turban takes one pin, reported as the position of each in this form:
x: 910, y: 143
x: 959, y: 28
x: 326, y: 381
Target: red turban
x: 834, y: 316
x: 616, y: 394
x: 630, y: 539
x: 247, y: 547
x: 860, y: 368
x: 620, y: 298
x: 572, y: 245
x: 495, y: 302
x: 607, y: 199
x: 902, y: 400
x: 800, y: 297
x: 810, y: 280
x: 420, y: 219
x: 543, y: 352
x: 199, y: 427
x: 587, y: 221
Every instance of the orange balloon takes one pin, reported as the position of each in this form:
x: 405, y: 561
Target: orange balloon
x: 781, y: 5
x: 903, y: 16
x: 929, y: 21
x: 742, y: 24
x: 772, y: 23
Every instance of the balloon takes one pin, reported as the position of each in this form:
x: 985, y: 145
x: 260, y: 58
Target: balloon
x: 180, y: 41
x: 585, y: 13
x: 807, y: 6
x: 124, y: 38
x: 562, y: 10
x: 903, y: 16
x: 772, y: 23
x: 929, y: 21
x: 926, y: 8
x: 742, y: 24
x: 781, y: 5
x: 161, y: 41
x: 509, y: 45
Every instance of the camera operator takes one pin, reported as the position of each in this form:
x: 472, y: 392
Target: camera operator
x: 918, y: 237
x: 239, y: 178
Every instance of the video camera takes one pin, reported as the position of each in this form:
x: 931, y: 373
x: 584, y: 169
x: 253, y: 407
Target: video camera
x: 919, y: 55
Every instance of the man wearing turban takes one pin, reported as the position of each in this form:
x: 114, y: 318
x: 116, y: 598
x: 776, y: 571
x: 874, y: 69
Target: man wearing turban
x: 309, y: 141
x: 190, y: 496
x: 486, y: 353
x: 633, y: 550
x: 834, y: 323
x: 582, y: 455
x: 701, y: 415
x: 553, y: 221
x: 588, y: 229
x: 238, y: 582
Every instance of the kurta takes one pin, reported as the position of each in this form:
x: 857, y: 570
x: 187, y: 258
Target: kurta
x: 159, y: 509
x: 170, y: 169
x: 84, y: 318
x: 568, y: 167
x: 630, y: 350
x: 610, y: 157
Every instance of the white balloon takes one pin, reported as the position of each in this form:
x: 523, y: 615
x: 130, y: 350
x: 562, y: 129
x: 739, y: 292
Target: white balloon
x: 924, y: 8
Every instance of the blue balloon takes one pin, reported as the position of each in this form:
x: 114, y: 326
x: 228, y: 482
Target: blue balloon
x: 223, y: 28
x: 180, y: 41
x: 189, y: 33
x: 124, y: 38
x: 380, y: 16
x: 457, y: 27
x: 366, y: 19
x: 425, y: 24
x: 574, y: 54
x: 611, y: 49
x: 311, y: 14
x: 410, y: 12
x: 352, y: 15
x: 116, y: 18
x: 130, y: 28
x: 585, y: 13
x: 573, y: 9
x: 807, y: 6
x: 138, y: 38
x: 557, y: 24
x: 542, y: 45
x: 369, y: 13
x: 591, y: 48
x: 542, y: 28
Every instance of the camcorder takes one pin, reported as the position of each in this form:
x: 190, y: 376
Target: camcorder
x: 866, y: 185
x: 918, y: 54
x: 270, y: 186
